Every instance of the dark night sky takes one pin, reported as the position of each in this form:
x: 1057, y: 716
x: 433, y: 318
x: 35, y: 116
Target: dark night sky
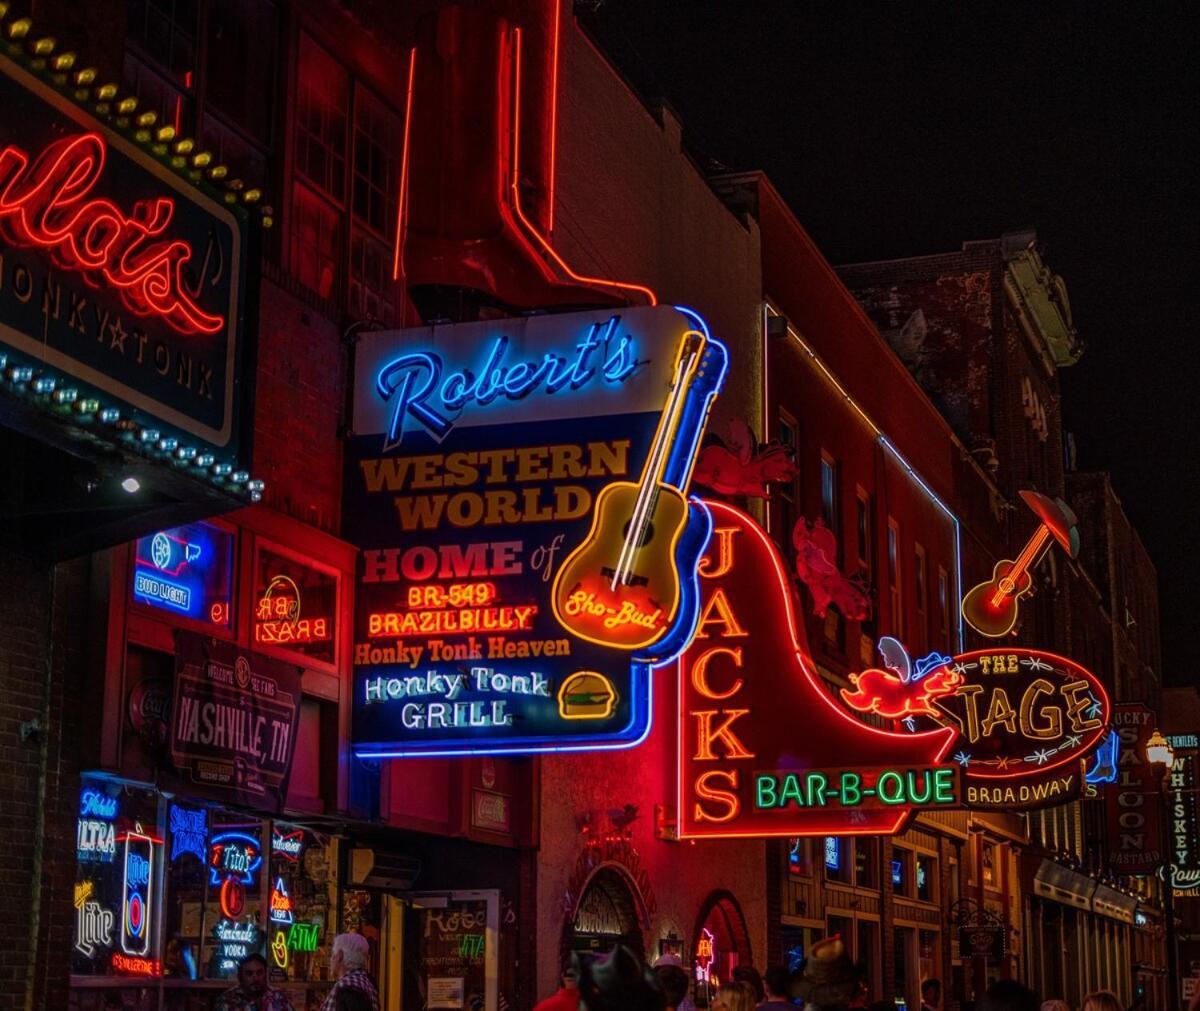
x: 897, y: 129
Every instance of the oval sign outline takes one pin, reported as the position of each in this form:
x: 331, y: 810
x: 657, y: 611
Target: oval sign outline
x: 1090, y: 742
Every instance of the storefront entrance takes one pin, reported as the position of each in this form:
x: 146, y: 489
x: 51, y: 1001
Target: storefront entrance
x: 439, y: 950
x: 609, y: 913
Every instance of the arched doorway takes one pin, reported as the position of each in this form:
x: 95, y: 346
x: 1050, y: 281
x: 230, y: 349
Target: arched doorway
x: 720, y: 942
x: 609, y: 912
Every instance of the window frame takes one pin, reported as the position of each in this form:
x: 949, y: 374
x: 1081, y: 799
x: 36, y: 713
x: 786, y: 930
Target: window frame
x: 894, y: 572
x: 349, y: 288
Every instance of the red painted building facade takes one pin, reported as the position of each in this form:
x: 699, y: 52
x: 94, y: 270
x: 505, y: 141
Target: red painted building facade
x: 425, y: 162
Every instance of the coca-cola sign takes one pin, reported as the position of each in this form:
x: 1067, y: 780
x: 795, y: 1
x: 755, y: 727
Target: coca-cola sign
x: 120, y: 279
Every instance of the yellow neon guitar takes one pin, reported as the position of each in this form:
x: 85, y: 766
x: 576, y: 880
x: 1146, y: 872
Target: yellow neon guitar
x: 620, y: 587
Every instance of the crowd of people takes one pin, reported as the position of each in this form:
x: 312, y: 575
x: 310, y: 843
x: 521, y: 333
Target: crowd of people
x: 353, y: 988
x: 828, y: 981
x: 620, y: 981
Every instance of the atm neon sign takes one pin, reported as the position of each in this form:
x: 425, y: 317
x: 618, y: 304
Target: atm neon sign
x: 44, y: 202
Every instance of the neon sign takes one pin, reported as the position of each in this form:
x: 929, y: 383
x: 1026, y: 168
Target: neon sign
x: 706, y: 954
x: 232, y: 898
x: 234, y: 854
x: 235, y: 942
x: 124, y: 281
x: 288, y: 845
x: 833, y: 853
x: 992, y: 608
x: 1025, y: 718
x: 94, y: 804
x: 281, y: 903
x: 128, y: 966
x: 279, y: 950
x: 409, y: 381
x: 459, y: 644
x: 93, y: 923
x: 137, y: 890
x: 1104, y: 769
x: 900, y: 693
x: 189, y: 832
x: 277, y: 618
x: 95, y: 840
x: 45, y: 205
x: 186, y: 570
x: 743, y: 769
x: 1137, y: 844
x: 303, y: 936
x: 862, y: 789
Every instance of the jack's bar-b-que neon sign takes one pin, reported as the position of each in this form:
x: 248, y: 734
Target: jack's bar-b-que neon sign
x: 119, y: 278
x: 760, y: 736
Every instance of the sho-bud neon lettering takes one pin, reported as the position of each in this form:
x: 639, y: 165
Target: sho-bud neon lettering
x: 46, y: 205
x: 413, y: 382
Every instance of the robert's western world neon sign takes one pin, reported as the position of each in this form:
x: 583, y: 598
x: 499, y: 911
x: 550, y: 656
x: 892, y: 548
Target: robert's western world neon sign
x: 421, y: 390
x: 519, y: 490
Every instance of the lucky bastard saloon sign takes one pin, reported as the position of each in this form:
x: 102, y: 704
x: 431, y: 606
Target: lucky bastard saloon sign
x: 118, y: 278
x: 519, y: 490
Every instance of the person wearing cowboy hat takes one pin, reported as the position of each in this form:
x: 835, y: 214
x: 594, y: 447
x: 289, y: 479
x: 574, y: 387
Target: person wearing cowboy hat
x: 830, y: 978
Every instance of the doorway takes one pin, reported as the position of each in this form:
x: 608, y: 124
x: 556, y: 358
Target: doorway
x: 441, y: 951
x: 609, y: 913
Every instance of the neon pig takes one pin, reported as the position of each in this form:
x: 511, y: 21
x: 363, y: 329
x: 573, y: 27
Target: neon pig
x: 412, y: 380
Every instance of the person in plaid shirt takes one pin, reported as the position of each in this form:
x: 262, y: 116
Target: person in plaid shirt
x: 252, y: 992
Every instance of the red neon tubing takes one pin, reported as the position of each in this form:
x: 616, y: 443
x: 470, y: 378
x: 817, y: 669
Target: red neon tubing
x: 515, y: 190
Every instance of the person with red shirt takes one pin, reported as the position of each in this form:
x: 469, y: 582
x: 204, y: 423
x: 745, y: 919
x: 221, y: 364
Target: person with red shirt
x: 567, y: 997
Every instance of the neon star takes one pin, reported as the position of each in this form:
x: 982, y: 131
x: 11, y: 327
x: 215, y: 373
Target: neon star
x: 963, y: 759
x: 1036, y: 663
x: 1041, y: 757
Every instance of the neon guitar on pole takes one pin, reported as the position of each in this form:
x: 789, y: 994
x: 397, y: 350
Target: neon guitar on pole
x: 992, y: 607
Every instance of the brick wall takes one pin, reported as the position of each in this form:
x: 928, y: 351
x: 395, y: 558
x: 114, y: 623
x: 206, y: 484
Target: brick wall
x: 39, y: 606
x: 301, y: 377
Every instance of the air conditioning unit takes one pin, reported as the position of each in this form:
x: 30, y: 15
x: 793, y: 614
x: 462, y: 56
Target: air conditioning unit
x: 383, y: 870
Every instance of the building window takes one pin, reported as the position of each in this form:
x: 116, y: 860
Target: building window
x: 895, y: 615
x: 922, y: 629
x: 831, y: 499
x: 344, y: 162
x: 322, y: 99
x: 166, y: 30
x: 926, y: 875
x: 901, y: 871
x: 866, y: 862
x: 864, y: 522
x: 187, y: 572
x: 786, y: 496
x: 800, y: 857
x: 189, y: 55
x: 989, y: 870
x: 837, y: 859
x: 943, y: 608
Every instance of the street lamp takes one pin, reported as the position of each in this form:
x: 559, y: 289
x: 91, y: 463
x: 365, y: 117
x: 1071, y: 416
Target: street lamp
x: 1160, y: 755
